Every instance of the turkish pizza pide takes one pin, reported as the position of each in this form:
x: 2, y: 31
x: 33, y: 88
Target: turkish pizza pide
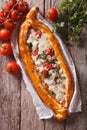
x: 45, y: 64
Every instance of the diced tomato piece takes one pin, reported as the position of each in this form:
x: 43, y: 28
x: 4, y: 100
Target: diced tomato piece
x: 49, y: 51
x: 45, y: 73
x: 48, y: 65
x: 34, y: 53
x: 38, y: 33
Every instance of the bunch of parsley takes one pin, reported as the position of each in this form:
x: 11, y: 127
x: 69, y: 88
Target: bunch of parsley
x: 72, y: 17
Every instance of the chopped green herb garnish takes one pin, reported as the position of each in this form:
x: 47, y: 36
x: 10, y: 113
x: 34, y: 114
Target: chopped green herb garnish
x: 42, y: 56
x: 52, y: 61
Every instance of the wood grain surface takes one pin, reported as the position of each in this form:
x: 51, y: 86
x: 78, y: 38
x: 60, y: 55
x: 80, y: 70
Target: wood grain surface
x: 17, y: 111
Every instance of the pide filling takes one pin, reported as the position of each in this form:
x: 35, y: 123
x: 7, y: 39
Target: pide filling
x: 47, y: 65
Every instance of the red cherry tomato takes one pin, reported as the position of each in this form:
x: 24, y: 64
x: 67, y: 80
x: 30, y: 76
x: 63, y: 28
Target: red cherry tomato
x: 14, y: 1
x: 45, y: 73
x: 5, y: 49
x: 8, y: 6
x: 3, y: 13
x: 34, y: 53
x: 23, y: 6
x: 5, y: 34
x: 9, y: 24
x: 38, y: 33
x: 12, y: 68
x: 52, y: 14
x: 49, y: 51
x: 48, y: 65
x: 16, y: 15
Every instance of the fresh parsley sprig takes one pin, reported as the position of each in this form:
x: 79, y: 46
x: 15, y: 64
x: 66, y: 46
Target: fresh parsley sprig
x: 72, y: 17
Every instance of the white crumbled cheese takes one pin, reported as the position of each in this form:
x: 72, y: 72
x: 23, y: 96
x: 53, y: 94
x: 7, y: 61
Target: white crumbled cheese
x: 58, y: 62
x: 41, y: 60
x: 34, y: 58
x: 51, y: 87
x: 34, y: 45
x: 43, y: 45
x: 37, y: 62
x: 60, y: 71
x: 49, y: 81
x: 41, y: 68
x: 52, y: 73
x: 60, y: 96
x: 55, y: 85
x: 59, y: 91
x: 43, y: 36
x: 31, y: 37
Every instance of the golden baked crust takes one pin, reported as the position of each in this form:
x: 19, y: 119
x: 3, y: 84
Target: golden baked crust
x: 60, y: 112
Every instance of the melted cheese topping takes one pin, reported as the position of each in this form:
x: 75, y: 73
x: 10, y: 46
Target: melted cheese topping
x: 47, y: 66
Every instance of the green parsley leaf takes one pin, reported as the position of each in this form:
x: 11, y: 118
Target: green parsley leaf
x: 72, y: 17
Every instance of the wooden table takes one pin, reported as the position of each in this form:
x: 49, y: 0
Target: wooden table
x: 17, y: 111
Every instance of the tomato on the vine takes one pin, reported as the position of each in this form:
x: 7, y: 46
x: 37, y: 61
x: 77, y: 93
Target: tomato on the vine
x: 14, y: 1
x: 52, y: 14
x: 8, y: 6
x: 23, y: 6
x: 5, y: 34
x: 16, y: 15
x: 10, y: 24
x: 3, y: 13
x: 5, y: 49
x: 12, y: 68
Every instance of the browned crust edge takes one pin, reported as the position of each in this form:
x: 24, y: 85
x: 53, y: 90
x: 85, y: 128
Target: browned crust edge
x: 60, y: 112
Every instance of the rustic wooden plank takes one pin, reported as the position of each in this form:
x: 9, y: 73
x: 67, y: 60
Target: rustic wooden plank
x: 29, y: 117
x: 9, y: 98
x: 55, y: 3
x: 53, y: 124
x: 79, y: 121
x: 9, y: 95
x: 39, y: 3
